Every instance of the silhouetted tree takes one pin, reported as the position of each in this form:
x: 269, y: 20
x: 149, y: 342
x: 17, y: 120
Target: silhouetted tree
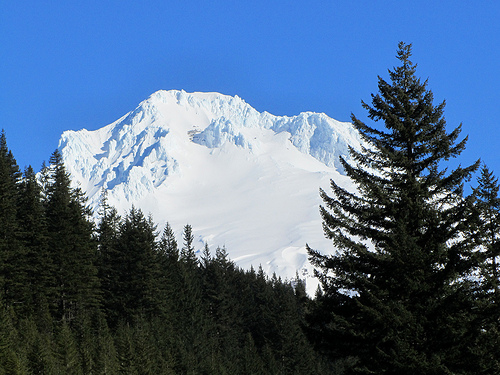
x: 71, y: 244
x: 396, y: 291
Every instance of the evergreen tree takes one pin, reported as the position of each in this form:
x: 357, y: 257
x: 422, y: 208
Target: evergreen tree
x: 170, y: 278
x: 106, y: 359
x: 108, y: 257
x: 221, y: 304
x: 192, y: 321
x: 38, y: 265
x: 125, y: 347
x: 168, y: 244
x: 71, y: 244
x: 12, y: 274
x: 206, y: 257
x: 135, y: 284
x: 187, y: 254
x: 396, y: 292
x: 191, y: 281
x: 488, y: 205
x: 9, y: 361
x: 38, y: 344
x: 488, y: 286
x: 146, y: 352
x: 66, y: 352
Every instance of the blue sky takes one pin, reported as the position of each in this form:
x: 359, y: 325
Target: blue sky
x: 83, y: 64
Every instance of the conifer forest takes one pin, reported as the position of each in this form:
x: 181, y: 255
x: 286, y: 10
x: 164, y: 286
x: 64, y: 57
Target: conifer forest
x: 410, y: 285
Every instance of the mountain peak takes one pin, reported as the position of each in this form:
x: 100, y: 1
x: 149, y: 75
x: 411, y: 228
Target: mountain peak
x: 242, y: 178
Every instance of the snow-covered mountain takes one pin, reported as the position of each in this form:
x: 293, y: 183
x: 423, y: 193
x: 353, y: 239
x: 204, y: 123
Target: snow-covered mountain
x: 243, y: 179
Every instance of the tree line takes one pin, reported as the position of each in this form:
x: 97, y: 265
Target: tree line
x: 117, y: 297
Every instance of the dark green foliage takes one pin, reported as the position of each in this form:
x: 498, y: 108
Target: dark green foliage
x: 37, y: 263
x: 488, y: 205
x: 168, y: 245
x: 132, y: 270
x: 487, y: 309
x: 397, y: 296
x: 70, y: 240
x: 108, y: 258
x: 126, y: 350
x: 66, y: 352
x: 40, y: 359
x: 169, y: 276
x: 105, y: 359
x: 9, y: 360
x: 12, y: 274
x: 187, y: 254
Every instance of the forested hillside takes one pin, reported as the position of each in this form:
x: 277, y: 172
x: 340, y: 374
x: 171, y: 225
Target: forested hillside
x: 119, y: 297
x: 412, y: 288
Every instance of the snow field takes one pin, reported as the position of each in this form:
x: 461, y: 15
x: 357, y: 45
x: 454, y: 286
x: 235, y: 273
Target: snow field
x: 242, y: 179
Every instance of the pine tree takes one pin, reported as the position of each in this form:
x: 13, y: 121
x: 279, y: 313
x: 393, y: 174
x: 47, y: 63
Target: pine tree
x: 221, y: 305
x: 125, y: 346
x: 252, y: 363
x: 488, y: 205
x: 170, y: 277
x: 71, y: 244
x: 488, y: 288
x: 39, y: 358
x: 191, y: 322
x: 396, y: 292
x: 187, y: 254
x: 135, y: 284
x: 9, y: 361
x: 106, y: 359
x: 108, y: 257
x: 191, y: 281
x: 38, y: 264
x: 66, y: 352
x: 168, y: 244
x: 12, y: 275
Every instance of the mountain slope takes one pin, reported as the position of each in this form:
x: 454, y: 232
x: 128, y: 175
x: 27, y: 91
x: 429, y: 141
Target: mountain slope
x: 243, y: 179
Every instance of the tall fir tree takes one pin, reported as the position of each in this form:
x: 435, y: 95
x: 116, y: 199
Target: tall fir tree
x: 12, y: 275
x: 396, y: 292
x: 487, y: 203
x: 9, y: 360
x: 170, y: 277
x: 136, y: 269
x: 188, y: 254
x: 71, y: 244
x: 192, y: 322
x: 168, y: 244
x: 38, y: 264
x: 66, y: 352
x: 108, y: 257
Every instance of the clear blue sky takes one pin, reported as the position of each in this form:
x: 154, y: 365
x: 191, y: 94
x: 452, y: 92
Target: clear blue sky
x: 83, y: 64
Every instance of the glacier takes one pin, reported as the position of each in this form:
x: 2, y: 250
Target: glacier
x: 242, y: 179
